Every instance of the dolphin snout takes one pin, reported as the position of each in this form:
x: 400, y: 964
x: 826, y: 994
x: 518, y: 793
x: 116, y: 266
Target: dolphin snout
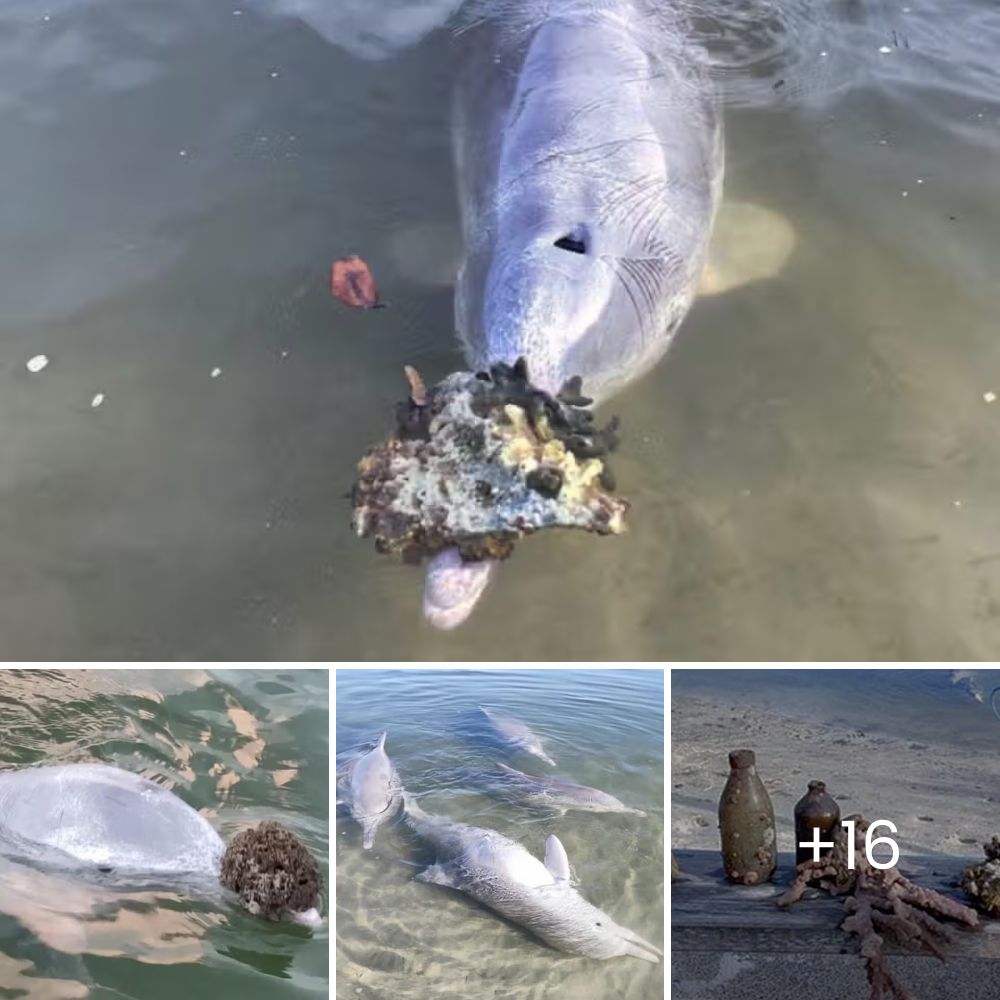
x: 453, y: 588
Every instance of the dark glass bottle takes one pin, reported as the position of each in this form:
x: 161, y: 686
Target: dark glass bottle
x: 816, y: 810
x: 746, y: 823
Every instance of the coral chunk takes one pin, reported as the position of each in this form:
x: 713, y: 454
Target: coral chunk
x: 981, y: 883
x: 881, y: 902
x: 481, y: 460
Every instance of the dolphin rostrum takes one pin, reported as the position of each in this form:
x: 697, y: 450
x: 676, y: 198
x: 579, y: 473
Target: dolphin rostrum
x: 502, y: 875
x: 552, y: 793
x: 515, y: 734
x: 374, y: 791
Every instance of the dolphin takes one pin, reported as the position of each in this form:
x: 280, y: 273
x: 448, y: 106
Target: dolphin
x: 515, y: 734
x: 551, y: 793
x: 373, y: 791
x: 502, y: 875
x: 587, y: 139
x: 102, y: 823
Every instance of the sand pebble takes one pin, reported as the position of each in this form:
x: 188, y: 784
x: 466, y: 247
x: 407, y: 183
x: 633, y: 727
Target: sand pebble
x: 37, y: 363
x: 989, y: 397
x: 956, y: 503
x: 182, y: 152
x: 97, y: 400
x: 216, y: 372
x: 884, y: 49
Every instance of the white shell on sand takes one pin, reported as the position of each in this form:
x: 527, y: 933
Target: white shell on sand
x: 37, y: 363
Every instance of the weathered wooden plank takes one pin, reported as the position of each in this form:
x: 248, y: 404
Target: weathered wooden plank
x: 710, y: 914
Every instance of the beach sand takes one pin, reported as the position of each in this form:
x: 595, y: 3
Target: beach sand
x: 943, y: 799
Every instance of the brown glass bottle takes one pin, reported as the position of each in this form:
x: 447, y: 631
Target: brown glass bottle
x: 746, y: 823
x: 816, y: 810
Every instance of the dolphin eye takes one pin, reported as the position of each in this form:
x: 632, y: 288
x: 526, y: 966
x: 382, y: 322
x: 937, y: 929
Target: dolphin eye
x: 572, y: 243
x: 598, y: 924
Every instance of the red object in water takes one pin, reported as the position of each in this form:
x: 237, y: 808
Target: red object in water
x: 351, y: 281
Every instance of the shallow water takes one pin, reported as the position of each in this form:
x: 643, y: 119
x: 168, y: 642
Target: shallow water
x: 960, y: 708
x: 813, y: 468
x: 241, y: 747
x: 401, y: 938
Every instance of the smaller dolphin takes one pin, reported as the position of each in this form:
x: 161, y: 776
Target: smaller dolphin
x: 515, y: 734
x: 373, y: 791
x: 551, y: 793
x: 501, y: 874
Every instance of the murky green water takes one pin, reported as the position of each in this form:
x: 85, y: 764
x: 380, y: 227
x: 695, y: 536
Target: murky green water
x: 813, y: 468
x: 400, y: 938
x: 241, y: 747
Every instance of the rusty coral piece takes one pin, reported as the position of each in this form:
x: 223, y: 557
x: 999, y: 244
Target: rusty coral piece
x: 351, y: 282
x: 981, y: 882
x: 880, y: 902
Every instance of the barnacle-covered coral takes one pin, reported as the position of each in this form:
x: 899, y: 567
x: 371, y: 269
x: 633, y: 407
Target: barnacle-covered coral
x: 481, y: 460
x: 880, y: 902
x: 981, y: 882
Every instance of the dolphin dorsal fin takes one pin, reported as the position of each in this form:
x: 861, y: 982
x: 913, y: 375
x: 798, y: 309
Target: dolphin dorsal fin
x: 504, y: 768
x: 556, y: 859
x: 381, y: 741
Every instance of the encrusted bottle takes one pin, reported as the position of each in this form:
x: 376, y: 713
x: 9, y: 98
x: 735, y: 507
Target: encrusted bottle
x: 746, y: 823
x: 816, y: 810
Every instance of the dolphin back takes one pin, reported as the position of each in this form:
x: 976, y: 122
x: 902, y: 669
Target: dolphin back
x: 95, y: 815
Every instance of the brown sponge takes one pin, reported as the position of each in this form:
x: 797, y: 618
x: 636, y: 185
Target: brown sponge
x: 271, y: 870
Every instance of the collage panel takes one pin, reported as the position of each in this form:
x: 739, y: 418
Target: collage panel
x: 835, y: 833
x: 164, y: 834
x: 500, y: 833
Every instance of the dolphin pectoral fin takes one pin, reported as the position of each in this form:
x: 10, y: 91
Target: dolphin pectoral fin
x: 438, y: 875
x: 556, y: 859
x: 749, y: 243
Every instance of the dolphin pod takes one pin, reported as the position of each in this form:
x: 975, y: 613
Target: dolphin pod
x: 493, y: 869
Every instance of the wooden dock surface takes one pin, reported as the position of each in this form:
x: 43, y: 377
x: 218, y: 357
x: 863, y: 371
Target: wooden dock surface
x: 708, y: 913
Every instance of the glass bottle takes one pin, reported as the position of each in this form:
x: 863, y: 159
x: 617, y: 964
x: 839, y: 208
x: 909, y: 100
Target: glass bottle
x: 816, y: 810
x: 746, y: 823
